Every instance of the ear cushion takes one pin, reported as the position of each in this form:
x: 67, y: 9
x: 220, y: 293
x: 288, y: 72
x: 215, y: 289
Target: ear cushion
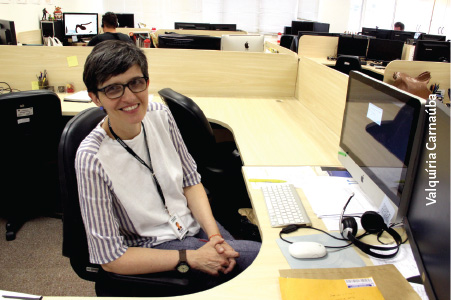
x: 350, y: 223
x: 373, y: 222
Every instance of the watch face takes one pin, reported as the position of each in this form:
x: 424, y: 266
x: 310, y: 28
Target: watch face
x: 183, y: 268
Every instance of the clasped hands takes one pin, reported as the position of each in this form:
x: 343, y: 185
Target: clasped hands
x: 215, y: 257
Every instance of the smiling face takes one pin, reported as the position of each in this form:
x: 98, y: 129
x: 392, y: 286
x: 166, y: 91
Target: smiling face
x: 126, y: 112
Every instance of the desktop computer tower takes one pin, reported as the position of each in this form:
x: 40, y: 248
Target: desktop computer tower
x: 53, y: 29
x: 297, y: 26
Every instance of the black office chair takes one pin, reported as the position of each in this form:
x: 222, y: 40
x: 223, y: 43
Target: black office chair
x: 31, y: 125
x: 347, y: 63
x: 218, y: 163
x: 295, y: 44
x: 75, y: 245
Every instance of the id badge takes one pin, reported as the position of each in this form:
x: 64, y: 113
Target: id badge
x: 178, y: 227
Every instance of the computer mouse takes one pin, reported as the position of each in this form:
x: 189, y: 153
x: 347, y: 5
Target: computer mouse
x: 307, y: 250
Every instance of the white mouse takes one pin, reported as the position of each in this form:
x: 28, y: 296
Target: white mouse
x: 307, y: 250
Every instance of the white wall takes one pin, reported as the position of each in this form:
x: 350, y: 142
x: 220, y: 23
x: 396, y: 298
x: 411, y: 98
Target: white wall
x: 336, y: 13
x: 26, y: 16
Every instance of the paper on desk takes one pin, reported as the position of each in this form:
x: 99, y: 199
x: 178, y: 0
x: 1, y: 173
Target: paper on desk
x: 403, y: 261
x: 296, y: 176
x: 15, y: 294
x: 81, y: 96
x: 304, y: 288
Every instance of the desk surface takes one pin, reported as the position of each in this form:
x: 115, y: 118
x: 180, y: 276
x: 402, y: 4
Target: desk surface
x: 268, y: 131
x: 327, y: 62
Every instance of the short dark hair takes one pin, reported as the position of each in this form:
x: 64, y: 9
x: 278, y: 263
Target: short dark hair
x: 110, y: 19
x: 400, y: 25
x: 111, y: 58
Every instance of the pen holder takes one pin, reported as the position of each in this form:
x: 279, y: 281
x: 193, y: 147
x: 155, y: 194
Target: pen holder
x: 43, y: 84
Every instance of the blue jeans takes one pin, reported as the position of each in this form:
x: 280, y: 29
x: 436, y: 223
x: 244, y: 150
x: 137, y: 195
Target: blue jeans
x: 248, y: 251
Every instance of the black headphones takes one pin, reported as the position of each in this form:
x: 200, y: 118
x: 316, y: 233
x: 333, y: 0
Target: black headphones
x: 373, y: 223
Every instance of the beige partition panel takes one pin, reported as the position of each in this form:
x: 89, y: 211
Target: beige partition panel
x: 30, y: 37
x: 194, y: 72
x: 318, y: 46
x: 440, y: 72
x: 276, y: 48
x: 323, y: 90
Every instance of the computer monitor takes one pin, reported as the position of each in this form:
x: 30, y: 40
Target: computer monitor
x: 7, y: 33
x: 297, y: 26
x: 192, y: 26
x: 243, y: 42
x: 432, y: 37
x: 81, y: 24
x: 427, y: 221
x: 378, y: 33
x: 432, y: 51
x: 352, y: 45
x: 189, y: 41
x: 380, y: 142
x: 223, y: 27
x: 384, y: 50
x: 403, y: 36
x: 126, y: 20
x: 369, y: 31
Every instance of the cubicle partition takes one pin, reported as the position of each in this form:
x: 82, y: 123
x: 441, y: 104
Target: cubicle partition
x: 193, y: 72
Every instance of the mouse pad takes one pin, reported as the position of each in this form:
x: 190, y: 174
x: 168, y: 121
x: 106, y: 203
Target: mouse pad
x: 335, y: 258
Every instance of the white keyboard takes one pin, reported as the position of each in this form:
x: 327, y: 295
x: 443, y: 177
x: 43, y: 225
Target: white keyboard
x: 284, y: 205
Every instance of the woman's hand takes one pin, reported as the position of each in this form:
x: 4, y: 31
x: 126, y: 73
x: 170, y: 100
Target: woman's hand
x: 208, y: 259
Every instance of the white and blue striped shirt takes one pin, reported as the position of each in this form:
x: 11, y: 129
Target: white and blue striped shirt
x: 119, y: 201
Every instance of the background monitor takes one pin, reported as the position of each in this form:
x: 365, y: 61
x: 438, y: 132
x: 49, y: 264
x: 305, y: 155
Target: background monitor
x: 243, y: 42
x: 192, y: 26
x: 432, y: 37
x: 427, y: 222
x: 432, y: 51
x: 81, y: 24
x: 399, y: 35
x: 384, y: 50
x: 126, y: 20
x: 381, y: 135
x: 223, y: 27
x: 297, y: 26
x: 188, y: 41
x: 352, y: 45
x: 7, y: 33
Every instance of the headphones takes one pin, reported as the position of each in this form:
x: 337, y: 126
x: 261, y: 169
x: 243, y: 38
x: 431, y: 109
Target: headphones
x: 373, y: 223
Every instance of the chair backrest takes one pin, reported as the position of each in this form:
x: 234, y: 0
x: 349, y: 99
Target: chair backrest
x: 347, y: 63
x: 30, y: 126
x: 286, y: 40
x: 75, y: 244
x: 193, y: 125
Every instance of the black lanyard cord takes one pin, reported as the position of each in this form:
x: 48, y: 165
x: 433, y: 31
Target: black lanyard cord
x: 130, y: 150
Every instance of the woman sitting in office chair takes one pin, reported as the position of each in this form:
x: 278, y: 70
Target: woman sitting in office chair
x: 143, y: 204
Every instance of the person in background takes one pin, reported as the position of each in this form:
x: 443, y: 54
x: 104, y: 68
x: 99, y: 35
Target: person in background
x: 399, y: 26
x: 109, y: 25
x: 144, y: 207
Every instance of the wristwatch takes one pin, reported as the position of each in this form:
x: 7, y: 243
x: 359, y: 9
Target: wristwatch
x: 182, y: 266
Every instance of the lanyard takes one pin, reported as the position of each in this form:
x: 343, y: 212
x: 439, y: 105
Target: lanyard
x: 130, y: 150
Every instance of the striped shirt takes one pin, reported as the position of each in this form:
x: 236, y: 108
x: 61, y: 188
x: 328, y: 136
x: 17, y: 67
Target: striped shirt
x: 119, y: 202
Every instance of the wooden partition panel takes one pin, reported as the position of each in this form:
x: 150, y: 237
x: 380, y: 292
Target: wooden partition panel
x: 30, y: 37
x: 273, y: 47
x: 193, y: 72
x: 323, y: 91
x: 318, y: 46
x: 440, y: 72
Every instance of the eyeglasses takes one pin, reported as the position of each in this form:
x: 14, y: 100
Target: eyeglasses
x: 116, y: 90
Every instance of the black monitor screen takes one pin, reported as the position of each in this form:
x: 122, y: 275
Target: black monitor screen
x: 432, y: 51
x: 399, y: 35
x: 126, y: 20
x: 7, y: 33
x: 350, y: 45
x: 185, y: 41
x: 369, y: 31
x: 432, y: 37
x: 80, y: 24
x: 384, y: 50
x: 224, y: 27
x: 381, y: 132
x: 193, y: 26
x: 427, y: 220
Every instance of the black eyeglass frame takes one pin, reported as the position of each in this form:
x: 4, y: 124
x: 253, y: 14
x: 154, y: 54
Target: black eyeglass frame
x: 123, y: 87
